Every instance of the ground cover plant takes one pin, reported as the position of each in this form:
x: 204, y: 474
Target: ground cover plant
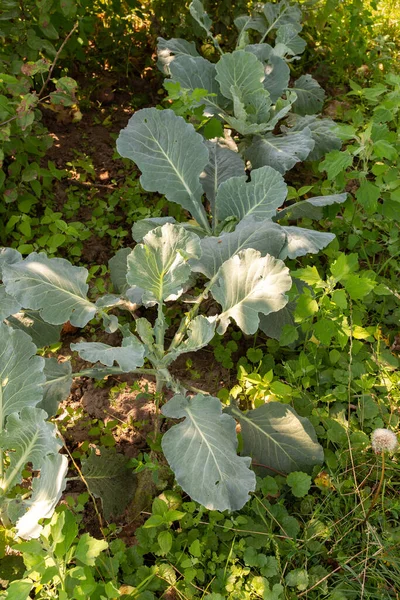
x: 317, y: 375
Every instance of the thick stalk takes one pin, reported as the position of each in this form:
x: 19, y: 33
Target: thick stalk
x: 1, y: 430
x: 159, y: 331
x: 188, y: 318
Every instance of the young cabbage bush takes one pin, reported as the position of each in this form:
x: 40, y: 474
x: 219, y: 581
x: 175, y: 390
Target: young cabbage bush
x: 201, y: 449
x: 249, y: 89
x: 244, y: 210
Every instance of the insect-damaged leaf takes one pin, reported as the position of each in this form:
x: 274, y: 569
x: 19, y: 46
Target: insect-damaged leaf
x: 27, y: 438
x: 109, y: 478
x: 129, y: 356
x: 46, y: 492
x: 310, y: 96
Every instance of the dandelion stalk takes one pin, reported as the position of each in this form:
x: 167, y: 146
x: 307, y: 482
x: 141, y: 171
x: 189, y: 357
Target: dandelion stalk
x: 378, y: 489
x: 382, y: 441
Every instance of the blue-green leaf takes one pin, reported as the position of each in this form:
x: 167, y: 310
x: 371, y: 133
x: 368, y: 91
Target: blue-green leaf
x: 129, y: 356
x: 46, y: 492
x: 51, y: 285
x: 247, y: 285
x: 223, y: 163
x: 171, y: 156
x: 202, y: 453
x: 241, y: 71
x: 280, y: 152
x: 275, y: 436
x: 259, y: 197
x: 168, y: 50
x: 159, y: 265
x: 263, y: 236
x: 310, y: 96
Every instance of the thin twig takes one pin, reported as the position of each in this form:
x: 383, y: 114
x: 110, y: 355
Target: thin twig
x: 82, y: 477
x: 330, y: 574
x: 378, y: 489
x: 87, y: 184
x: 9, y: 120
x: 53, y: 64
x: 256, y: 464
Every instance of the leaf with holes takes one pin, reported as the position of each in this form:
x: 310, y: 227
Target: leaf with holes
x: 168, y: 50
x: 129, y: 356
x: 109, y: 478
x: 46, y: 492
x: 310, y: 96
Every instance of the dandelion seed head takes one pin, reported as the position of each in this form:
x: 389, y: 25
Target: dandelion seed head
x: 384, y: 440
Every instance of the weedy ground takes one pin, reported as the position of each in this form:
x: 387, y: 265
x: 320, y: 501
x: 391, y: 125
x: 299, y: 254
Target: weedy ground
x: 311, y: 537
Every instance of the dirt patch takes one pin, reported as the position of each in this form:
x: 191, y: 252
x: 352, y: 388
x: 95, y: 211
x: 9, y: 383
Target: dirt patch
x: 204, y: 373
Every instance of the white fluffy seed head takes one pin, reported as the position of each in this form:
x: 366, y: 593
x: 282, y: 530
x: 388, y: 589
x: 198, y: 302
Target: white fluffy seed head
x: 384, y: 440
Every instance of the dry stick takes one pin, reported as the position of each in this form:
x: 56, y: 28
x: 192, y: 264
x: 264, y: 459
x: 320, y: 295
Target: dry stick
x: 88, y: 184
x: 364, y: 573
x: 256, y: 464
x: 53, y: 64
x: 50, y: 71
x: 350, y: 378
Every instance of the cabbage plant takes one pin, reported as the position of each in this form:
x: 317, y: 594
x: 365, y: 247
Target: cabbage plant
x: 250, y: 91
x: 241, y: 211
x: 39, y: 294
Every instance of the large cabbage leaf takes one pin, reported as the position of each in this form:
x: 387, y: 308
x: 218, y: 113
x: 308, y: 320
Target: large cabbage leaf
x: 249, y: 284
x: 129, y: 356
x: 171, y: 156
x: 281, y: 152
x: 239, y: 72
x: 28, y: 438
x: 278, y: 439
x: 263, y: 236
x: 159, y: 265
x: 259, y: 197
x: 46, y: 492
x: 21, y: 372
x: 223, y: 163
x: 52, y: 286
x: 168, y: 50
x: 201, y: 450
x: 195, y: 72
